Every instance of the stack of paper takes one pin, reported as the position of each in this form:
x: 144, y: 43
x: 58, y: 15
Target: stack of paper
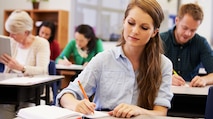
x: 53, y: 112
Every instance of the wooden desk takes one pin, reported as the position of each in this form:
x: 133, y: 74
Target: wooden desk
x: 13, y: 92
x: 70, y: 72
x: 188, y: 101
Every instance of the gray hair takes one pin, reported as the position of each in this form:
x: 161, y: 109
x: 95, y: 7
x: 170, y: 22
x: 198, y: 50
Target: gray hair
x: 19, y: 21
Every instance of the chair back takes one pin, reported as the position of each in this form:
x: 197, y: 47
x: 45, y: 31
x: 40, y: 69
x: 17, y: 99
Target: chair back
x: 209, y: 104
x: 1, y: 67
x: 52, y: 68
x: 56, y: 85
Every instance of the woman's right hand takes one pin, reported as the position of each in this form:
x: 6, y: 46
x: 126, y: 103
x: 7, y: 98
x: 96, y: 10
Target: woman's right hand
x: 64, y: 62
x: 85, y: 106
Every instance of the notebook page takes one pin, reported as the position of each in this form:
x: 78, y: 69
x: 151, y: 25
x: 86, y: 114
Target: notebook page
x: 46, y: 112
x: 97, y: 114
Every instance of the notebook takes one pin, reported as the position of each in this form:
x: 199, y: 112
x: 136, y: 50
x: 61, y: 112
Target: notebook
x: 5, y: 45
x: 53, y: 112
x: 45, y: 112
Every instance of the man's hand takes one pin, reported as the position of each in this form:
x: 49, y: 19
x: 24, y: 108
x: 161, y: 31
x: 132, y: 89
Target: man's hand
x: 177, y: 80
x: 198, y: 81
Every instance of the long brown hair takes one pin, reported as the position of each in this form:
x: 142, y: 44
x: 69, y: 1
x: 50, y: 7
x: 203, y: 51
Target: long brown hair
x: 150, y: 74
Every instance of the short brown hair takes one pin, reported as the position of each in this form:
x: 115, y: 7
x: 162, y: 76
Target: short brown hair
x: 191, y: 9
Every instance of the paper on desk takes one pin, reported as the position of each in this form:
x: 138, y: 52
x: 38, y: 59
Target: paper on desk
x: 53, y: 112
x: 97, y: 114
x: 23, y: 80
x: 73, y: 66
x: 46, y: 112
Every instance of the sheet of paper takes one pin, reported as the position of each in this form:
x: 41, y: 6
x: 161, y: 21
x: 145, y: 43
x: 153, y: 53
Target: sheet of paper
x: 73, y: 66
x: 97, y: 114
x: 54, y: 112
x: 23, y: 80
x: 46, y: 112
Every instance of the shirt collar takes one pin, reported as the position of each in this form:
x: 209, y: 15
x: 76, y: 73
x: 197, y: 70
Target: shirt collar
x: 119, y: 52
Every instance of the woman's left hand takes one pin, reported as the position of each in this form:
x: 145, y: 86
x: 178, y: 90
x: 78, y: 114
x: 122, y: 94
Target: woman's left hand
x: 125, y: 111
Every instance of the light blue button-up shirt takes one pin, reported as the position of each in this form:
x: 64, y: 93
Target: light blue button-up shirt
x: 111, y: 77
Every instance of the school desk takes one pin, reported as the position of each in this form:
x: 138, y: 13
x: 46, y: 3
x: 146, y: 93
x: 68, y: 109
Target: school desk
x: 137, y: 117
x: 188, y: 101
x: 70, y: 72
x: 15, y: 88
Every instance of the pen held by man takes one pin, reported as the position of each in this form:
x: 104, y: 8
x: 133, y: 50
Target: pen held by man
x: 177, y: 79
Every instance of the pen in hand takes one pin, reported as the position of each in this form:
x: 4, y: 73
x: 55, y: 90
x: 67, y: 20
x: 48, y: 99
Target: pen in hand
x: 65, y: 58
x: 65, y: 61
x: 180, y: 78
x: 82, y: 90
x: 175, y: 72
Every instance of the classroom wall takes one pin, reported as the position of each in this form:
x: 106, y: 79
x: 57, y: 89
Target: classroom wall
x: 26, y: 4
x: 205, y: 29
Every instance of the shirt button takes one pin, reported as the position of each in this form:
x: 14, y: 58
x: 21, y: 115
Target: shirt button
x: 179, y: 59
x: 181, y: 47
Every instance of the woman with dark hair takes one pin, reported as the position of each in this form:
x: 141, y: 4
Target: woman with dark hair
x: 47, y: 31
x: 85, y: 46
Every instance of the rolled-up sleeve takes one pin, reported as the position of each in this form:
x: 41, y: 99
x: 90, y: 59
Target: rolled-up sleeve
x: 165, y: 94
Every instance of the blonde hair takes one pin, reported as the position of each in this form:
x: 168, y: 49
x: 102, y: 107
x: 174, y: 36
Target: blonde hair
x: 19, y: 21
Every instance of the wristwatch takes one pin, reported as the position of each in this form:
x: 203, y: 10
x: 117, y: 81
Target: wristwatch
x: 24, y: 69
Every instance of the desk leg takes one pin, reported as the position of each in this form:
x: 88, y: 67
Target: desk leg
x: 38, y: 96
x: 47, y: 95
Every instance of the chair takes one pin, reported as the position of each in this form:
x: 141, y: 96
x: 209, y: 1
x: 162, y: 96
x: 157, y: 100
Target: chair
x: 209, y: 104
x: 55, y: 86
x: 1, y: 67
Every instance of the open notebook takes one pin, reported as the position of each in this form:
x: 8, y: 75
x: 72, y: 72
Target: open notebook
x: 53, y: 112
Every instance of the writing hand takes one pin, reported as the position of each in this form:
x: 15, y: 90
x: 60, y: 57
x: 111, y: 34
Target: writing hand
x: 177, y: 80
x: 64, y: 62
x: 85, y: 106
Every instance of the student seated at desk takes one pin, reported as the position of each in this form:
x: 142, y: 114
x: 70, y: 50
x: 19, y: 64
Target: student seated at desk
x: 85, y: 46
x: 131, y: 79
x: 47, y: 31
x: 188, y: 50
x: 30, y: 54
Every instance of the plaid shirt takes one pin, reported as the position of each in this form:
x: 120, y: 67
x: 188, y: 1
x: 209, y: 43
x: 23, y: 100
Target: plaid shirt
x: 188, y: 58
